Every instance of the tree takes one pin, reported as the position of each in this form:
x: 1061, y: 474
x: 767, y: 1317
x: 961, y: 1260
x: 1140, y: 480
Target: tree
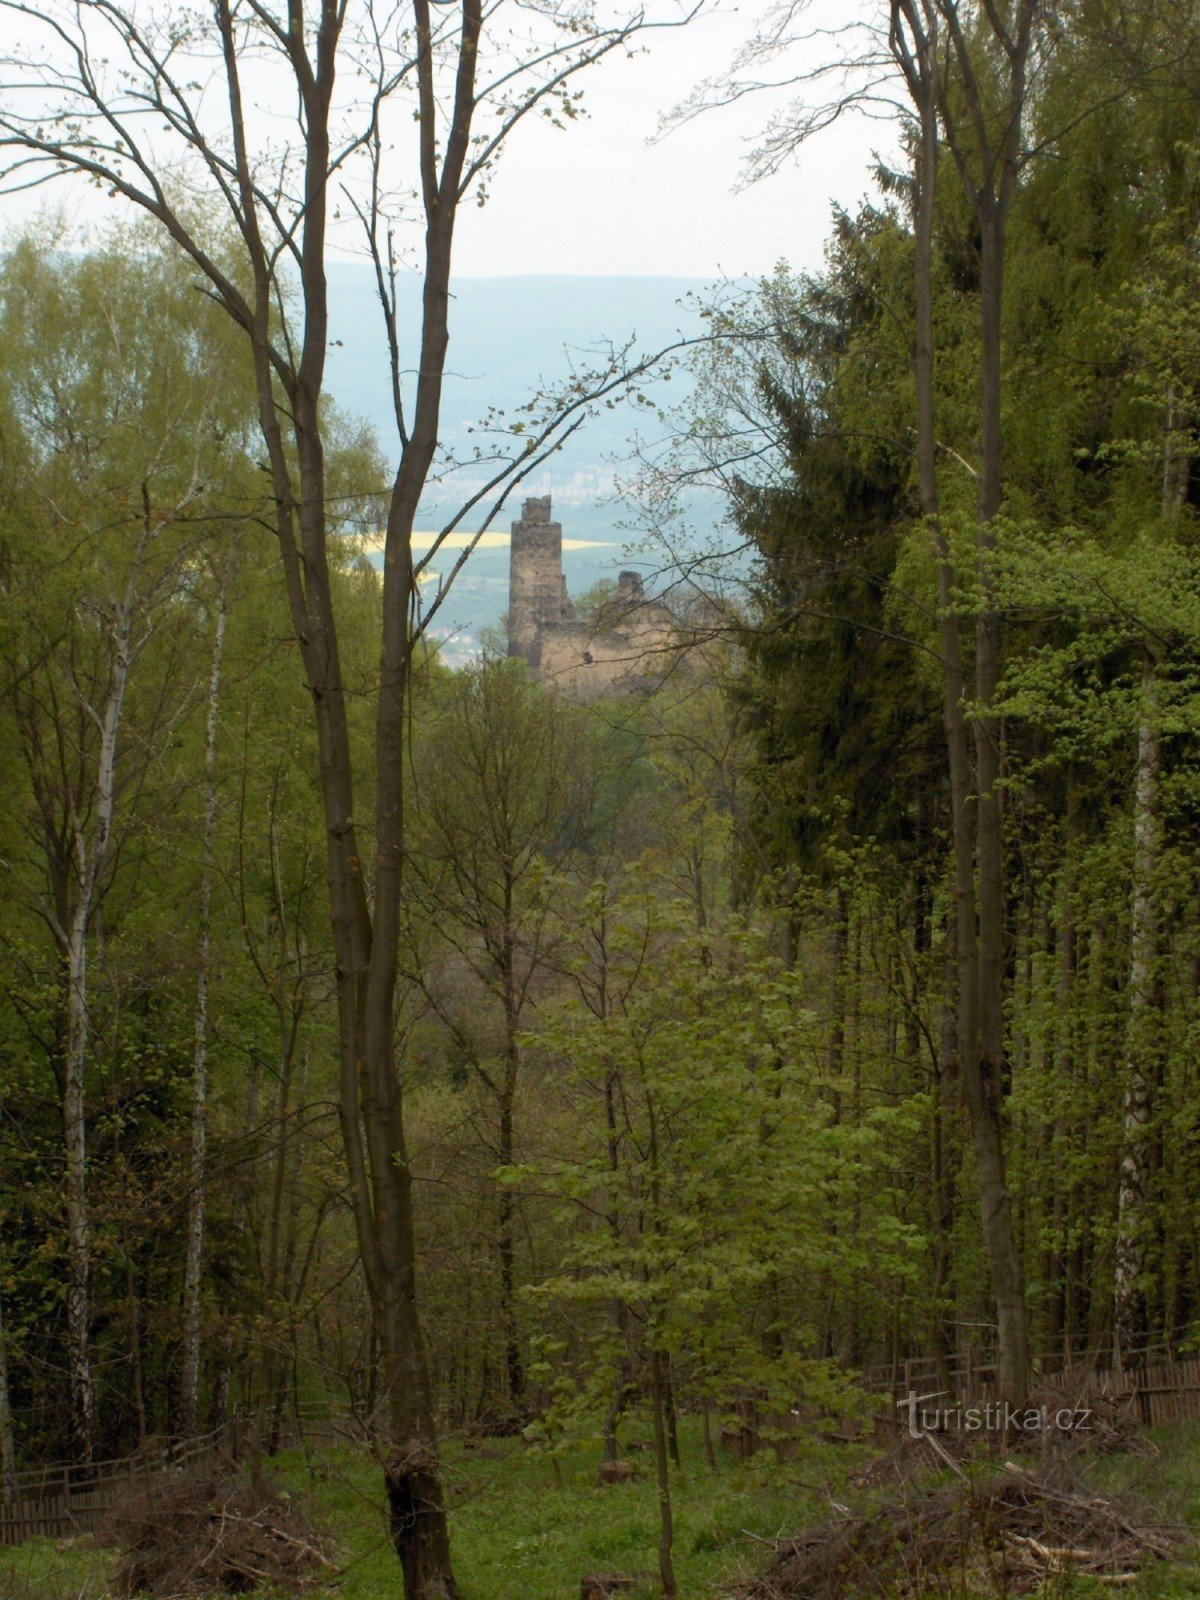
x: 85, y: 79
x: 197, y: 1172
x: 503, y: 804
x: 117, y: 386
x: 988, y: 155
x: 705, y: 1161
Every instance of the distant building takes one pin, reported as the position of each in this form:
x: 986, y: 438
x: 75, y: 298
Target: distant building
x: 628, y: 646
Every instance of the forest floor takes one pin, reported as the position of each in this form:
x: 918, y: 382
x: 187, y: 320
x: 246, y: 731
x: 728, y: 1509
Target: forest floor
x: 521, y: 1534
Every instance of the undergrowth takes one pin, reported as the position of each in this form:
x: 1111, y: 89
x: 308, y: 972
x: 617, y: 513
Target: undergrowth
x: 523, y: 1532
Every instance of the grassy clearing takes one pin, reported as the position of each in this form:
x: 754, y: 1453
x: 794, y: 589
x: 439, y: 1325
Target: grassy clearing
x: 1170, y: 1487
x: 56, y: 1569
x: 518, y: 1532
x: 521, y: 1535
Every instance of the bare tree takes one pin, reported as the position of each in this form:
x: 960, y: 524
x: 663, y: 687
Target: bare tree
x: 153, y: 106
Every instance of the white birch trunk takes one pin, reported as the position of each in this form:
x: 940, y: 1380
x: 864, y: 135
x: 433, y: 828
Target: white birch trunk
x: 1129, y: 1306
x: 90, y: 861
x: 197, y: 1193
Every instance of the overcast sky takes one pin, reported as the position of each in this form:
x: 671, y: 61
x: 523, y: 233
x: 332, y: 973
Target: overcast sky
x: 597, y: 198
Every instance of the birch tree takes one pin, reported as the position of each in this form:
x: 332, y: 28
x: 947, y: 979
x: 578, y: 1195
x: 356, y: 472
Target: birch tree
x: 198, y: 1159
x: 120, y: 420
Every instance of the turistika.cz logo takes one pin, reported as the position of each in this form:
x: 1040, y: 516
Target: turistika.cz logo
x: 997, y: 1416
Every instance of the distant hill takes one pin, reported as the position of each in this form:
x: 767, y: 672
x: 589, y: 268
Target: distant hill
x: 511, y: 337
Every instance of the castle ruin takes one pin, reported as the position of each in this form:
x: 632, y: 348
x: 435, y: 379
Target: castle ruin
x: 623, y: 648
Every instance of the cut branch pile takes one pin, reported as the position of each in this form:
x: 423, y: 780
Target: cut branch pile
x: 206, y: 1535
x: 910, y: 1459
x: 1045, y: 1531
x: 1009, y: 1530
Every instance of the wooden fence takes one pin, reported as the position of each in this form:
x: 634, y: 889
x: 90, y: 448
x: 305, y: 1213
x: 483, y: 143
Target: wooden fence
x: 1152, y: 1385
x: 66, y: 1499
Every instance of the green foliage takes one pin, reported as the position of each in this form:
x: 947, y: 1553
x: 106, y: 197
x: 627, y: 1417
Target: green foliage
x: 676, y: 1025
x: 130, y: 503
x: 705, y: 1203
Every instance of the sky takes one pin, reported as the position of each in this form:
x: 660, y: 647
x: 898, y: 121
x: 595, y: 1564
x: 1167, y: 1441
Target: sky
x: 604, y: 197
x: 597, y: 197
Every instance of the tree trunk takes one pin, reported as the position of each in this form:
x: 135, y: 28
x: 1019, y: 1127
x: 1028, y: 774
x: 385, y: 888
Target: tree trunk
x: 1090, y: 1311
x: 943, y: 1170
x: 134, y: 1319
x: 986, y: 154
x: 190, y: 1380
x: 978, y: 923
x: 984, y: 1071
x: 90, y: 859
x: 835, y: 1054
x: 1057, y: 1333
x: 365, y: 928
x: 620, y: 1382
x: 264, y: 1439
x: 1129, y: 1305
x: 83, y: 1395
x: 671, y: 1410
x: 666, y: 1532
x: 513, y: 1365
x: 710, y: 1455
x: 8, y: 1448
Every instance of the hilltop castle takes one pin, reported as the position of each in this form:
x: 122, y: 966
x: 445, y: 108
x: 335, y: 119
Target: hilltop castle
x: 625, y: 647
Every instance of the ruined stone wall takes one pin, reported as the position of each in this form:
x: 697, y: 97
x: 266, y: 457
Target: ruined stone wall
x: 627, y: 656
x: 628, y: 647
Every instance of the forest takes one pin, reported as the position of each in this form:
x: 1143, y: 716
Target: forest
x: 540, y: 1135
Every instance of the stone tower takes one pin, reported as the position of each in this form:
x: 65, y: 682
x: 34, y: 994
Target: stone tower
x: 537, y: 589
x: 630, y: 589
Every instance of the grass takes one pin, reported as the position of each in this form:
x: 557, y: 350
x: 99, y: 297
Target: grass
x: 56, y: 1569
x: 519, y: 1534
x: 1170, y: 1487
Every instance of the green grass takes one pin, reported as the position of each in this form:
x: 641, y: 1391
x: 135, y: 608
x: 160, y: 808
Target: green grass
x: 518, y: 1532
x: 521, y: 1535
x: 1168, y: 1487
x: 56, y: 1569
